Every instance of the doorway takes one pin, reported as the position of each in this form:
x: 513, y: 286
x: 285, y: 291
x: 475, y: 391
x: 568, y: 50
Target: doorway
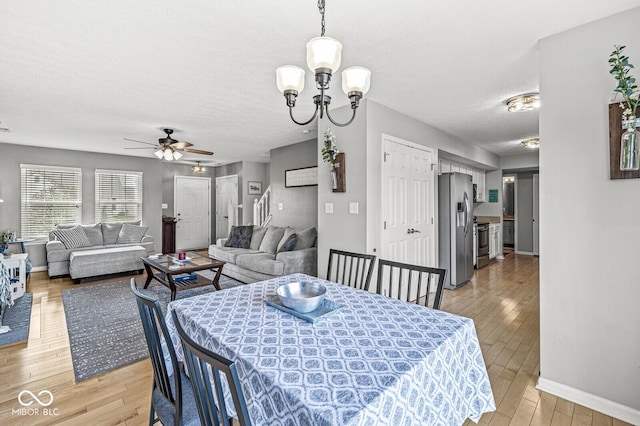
x: 226, y: 192
x: 192, y: 197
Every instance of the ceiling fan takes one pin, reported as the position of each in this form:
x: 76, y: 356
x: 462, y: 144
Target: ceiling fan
x: 170, y: 149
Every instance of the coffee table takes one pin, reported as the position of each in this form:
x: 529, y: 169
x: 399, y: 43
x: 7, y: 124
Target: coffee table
x: 168, y: 266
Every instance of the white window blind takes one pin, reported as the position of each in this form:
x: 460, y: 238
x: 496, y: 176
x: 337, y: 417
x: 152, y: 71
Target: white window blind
x: 118, y: 196
x: 50, y: 195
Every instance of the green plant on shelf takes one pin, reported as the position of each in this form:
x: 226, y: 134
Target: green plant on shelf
x: 621, y: 71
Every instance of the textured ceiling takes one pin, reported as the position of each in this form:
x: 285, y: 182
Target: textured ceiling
x: 85, y: 74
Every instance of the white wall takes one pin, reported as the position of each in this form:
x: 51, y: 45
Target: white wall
x: 590, y: 226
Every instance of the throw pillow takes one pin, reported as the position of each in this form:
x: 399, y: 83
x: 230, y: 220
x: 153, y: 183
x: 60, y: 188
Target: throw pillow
x: 72, y: 237
x: 256, y: 238
x: 289, y: 244
x: 110, y: 232
x: 271, y: 239
x: 240, y: 237
x: 94, y: 234
x: 131, y: 233
x: 288, y: 231
x: 306, y: 238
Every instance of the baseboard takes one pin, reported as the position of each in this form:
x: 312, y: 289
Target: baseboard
x: 39, y: 268
x: 528, y: 253
x: 610, y: 408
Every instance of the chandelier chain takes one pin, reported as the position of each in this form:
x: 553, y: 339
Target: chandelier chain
x: 321, y: 9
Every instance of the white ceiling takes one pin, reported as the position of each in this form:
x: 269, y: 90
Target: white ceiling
x: 85, y: 74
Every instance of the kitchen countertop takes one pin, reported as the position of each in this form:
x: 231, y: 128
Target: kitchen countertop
x: 487, y: 219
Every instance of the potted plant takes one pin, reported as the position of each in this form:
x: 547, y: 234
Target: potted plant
x: 621, y: 71
x: 329, y: 154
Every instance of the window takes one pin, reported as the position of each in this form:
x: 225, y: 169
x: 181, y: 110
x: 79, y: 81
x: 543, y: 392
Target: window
x: 50, y: 195
x: 118, y: 196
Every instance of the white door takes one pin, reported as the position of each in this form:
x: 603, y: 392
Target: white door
x: 536, y: 210
x: 226, y: 192
x: 192, y: 197
x: 408, y: 203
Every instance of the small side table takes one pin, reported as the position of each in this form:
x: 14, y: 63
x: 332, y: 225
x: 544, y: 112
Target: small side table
x: 21, y: 241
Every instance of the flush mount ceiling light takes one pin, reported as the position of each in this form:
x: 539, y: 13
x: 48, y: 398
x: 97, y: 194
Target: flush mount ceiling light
x: 525, y: 102
x: 168, y: 153
x: 323, y: 58
x: 198, y: 168
x: 532, y: 143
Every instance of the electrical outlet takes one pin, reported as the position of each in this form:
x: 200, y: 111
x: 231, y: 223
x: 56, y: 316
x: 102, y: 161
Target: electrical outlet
x: 280, y: 206
x: 353, y: 208
x: 328, y: 208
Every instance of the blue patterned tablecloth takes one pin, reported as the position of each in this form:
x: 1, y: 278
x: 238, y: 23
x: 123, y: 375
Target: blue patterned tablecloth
x: 376, y: 361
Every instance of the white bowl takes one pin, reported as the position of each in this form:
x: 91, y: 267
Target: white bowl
x: 302, y: 296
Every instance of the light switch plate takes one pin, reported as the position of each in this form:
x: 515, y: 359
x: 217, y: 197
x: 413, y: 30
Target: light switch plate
x: 165, y: 205
x: 353, y: 208
x: 280, y: 206
x: 328, y: 208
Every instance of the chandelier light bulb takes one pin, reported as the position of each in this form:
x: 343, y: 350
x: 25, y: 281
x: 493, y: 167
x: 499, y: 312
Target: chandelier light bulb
x: 324, y: 52
x: 290, y: 77
x: 356, y: 79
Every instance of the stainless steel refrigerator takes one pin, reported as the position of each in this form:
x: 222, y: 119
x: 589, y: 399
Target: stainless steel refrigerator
x: 455, y: 228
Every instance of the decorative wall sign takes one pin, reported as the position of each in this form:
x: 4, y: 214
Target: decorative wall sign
x: 493, y: 195
x: 255, y: 188
x: 306, y: 176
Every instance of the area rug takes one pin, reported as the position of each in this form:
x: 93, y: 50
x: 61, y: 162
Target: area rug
x: 17, y: 317
x: 105, y: 332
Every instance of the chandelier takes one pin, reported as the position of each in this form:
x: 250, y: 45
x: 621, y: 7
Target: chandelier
x: 323, y: 58
x: 168, y: 153
x: 198, y: 168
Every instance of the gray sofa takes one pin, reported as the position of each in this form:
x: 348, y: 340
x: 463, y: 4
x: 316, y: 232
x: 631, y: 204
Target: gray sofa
x: 84, y: 251
x: 272, y: 252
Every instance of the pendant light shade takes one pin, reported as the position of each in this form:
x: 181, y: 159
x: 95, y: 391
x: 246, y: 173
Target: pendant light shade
x: 168, y: 155
x: 356, y: 79
x: 324, y: 52
x: 290, y: 77
x: 177, y: 155
x: 159, y: 153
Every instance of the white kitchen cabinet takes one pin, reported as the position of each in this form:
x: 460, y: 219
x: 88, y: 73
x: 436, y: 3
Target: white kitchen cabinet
x: 445, y: 166
x: 495, y: 238
x: 480, y: 181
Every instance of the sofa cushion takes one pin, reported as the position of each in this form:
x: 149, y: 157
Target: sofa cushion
x: 228, y: 254
x: 94, y: 234
x: 110, y: 232
x: 240, y: 237
x: 72, y: 237
x: 131, y: 233
x: 306, y: 238
x: 257, y: 236
x: 288, y: 231
x: 260, y: 262
x: 289, y: 244
x: 271, y: 239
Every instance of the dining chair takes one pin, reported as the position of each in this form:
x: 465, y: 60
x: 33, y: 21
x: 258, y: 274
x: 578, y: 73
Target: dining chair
x: 352, y: 269
x: 172, y: 400
x: 204, y: 366
x: 411, y: 283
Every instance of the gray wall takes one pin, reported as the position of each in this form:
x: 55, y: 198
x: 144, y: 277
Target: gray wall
x: 527, y: 160
x: 493, y: 180
x: 300, y: 204
x: 226, y: 170
x: 589, y: 226
x: 14, y: 155
x: 524, y: 213
x: 252, y: 172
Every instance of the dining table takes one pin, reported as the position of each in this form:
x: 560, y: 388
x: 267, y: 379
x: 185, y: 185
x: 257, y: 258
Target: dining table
x: 373, y: 360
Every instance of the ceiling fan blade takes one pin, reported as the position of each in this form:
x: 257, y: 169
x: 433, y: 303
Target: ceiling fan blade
x: 181, y: 145
x: 196, y: 151
x: 133, y: 140
x: 145, y: 147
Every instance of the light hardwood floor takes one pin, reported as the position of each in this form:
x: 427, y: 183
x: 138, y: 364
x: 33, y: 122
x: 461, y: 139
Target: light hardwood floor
x: 502, y: 299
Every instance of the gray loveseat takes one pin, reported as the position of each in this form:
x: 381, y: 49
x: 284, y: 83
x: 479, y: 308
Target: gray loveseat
x: 270, y: 252
x: 84, y: 251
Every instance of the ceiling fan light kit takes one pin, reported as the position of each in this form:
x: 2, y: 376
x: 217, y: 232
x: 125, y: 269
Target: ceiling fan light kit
x: 171, y: 149
x: 324, y: 55
x: 524, y: 102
